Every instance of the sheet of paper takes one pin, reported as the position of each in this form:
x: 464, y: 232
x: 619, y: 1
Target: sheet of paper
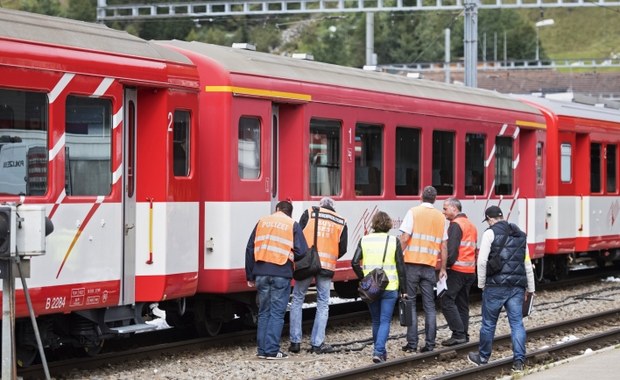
x: 442, y: 286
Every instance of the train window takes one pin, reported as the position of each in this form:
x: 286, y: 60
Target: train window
x: 180, y: 143
x: 474, y: 164
x: 503, y: 165
x: 566, y: 157
x: 325, y: 165
x: 407, y: 161
x: 23, y: 142
x: 595, y: 168
x: 611, y: 169
x: 88, y: 147
x: 249, y: 147
x: 443, y: 162
x: 539, y: 162
x: 368, y: 159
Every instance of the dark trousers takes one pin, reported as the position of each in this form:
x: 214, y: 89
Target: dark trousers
x: 455, y: 302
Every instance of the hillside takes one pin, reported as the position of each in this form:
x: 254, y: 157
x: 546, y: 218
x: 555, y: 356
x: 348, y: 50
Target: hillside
x: 579, y: 33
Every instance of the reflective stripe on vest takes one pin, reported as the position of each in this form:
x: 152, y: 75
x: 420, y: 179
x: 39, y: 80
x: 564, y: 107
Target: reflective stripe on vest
x: 466, y: 260
x: 372, y: 253
x: 328, y: 236
x: 273, y: 242
x: 424, y: 245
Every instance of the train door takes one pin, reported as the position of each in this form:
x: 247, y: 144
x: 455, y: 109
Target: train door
x: 275, y: 117
x: 129, y: 197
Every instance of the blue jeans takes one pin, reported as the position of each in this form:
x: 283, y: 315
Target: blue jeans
x: 423, y: 277
x: 493, y: 298
x: 273, y: 295
x: 381, y: 312
x: 323, y: 286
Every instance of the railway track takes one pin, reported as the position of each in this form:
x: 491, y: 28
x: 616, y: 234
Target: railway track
x: 170, y: 342
x: 498, y: 367
x: 144, y: 348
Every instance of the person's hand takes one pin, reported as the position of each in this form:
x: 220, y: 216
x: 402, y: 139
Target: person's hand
x: 404, y: 296
x: 251, y: 284
x: 443, y: 274
x: 528, y: 295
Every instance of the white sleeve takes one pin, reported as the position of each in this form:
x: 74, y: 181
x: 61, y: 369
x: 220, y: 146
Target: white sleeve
x: 483, y: 256
x: 407, y: 224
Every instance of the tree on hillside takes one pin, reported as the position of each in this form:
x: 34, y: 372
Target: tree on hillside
x: 520, y: 34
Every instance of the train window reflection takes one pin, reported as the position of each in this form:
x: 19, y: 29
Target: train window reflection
x: 249, y: 148
x: 407, y: 161
x: 443, y: 162
x: 368, y: 159
x: 180, y: 143
x: 566, y: 153
x: 595, y: 168
x: 474, y: 164
x: 88, y: 147
x: 23, y: 142
x: 325, y: 165
x: 611, y: 169
x: 503, y: 165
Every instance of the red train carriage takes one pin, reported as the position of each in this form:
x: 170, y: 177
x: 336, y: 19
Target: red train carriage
x: 155, y: 160
x: 582, y: 203
x: 92, y: 121
x: 274, y: 127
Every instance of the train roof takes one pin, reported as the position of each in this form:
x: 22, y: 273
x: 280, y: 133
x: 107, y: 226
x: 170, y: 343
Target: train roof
x: 249, y: 62
x: 56, y: 31
x: 572, y: 109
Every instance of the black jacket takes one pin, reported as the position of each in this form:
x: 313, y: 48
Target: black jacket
x: 510, y: 243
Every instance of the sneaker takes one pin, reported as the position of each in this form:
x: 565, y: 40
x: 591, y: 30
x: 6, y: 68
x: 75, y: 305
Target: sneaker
x: 453, y: 341
x: 517, y: 366
x: 322, y: 349
x: 378, y: 359
x: 409, y: 348
x: 278, y: 356
x: 294, y: 347
x: 426, y: 349
x: 475, y: 358
x: 260, y: 356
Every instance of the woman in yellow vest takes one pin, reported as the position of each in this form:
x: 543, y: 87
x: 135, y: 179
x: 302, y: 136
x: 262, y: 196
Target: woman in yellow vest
x: 370, y: 252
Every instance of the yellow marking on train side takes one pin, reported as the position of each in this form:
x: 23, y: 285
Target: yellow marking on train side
x: 531, y: 124
x: 258, y: 92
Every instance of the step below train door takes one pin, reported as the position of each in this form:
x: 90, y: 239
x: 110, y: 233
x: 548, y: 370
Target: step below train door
x: 129, y: 198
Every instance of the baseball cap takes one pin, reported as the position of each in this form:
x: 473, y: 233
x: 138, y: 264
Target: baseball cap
x: 492, y: 212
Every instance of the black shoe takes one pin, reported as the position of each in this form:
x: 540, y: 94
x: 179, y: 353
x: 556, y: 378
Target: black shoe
x: 475, y: 358
x: 517, y: 366
x: 294, y: 348
x: 409, y: 348
x: 453, y: 342
x: 379, y: 359
x: 426, y: 349
x: 277, y: 356
x: 322, y: 349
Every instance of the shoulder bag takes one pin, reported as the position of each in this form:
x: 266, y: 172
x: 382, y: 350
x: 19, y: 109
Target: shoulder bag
x: 374, y: 283
x: 310, y: 264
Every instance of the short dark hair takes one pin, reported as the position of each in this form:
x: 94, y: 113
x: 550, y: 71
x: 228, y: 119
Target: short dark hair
x: 286, y: 207
x: 429, y: 194
x: 381, y: 222
x: 455, y: 203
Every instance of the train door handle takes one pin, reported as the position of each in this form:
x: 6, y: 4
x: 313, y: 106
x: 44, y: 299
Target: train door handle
x: 128, y: 227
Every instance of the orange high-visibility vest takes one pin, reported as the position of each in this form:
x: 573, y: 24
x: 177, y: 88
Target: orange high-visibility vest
x: 466, y: 260
x: 273, y: 242
x: 424, y: 245
x: 328, y: 236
